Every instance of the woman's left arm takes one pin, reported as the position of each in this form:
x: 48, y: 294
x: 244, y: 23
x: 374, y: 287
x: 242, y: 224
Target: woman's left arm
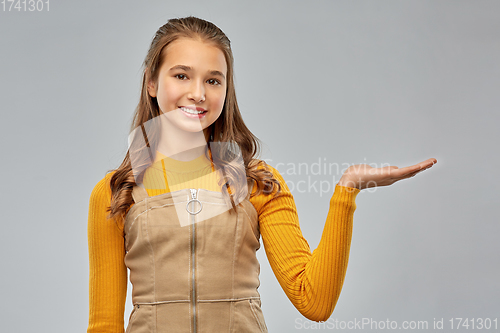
x: 312, y: 281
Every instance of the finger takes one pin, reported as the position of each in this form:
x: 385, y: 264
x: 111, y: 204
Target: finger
x: 413, y: 174
x: 403, y: 172
x: 429, y: 162
x: 418, y: 167
x: 409, y: 175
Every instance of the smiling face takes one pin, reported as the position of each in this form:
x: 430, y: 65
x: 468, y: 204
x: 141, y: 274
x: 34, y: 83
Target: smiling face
x: 192, y: 76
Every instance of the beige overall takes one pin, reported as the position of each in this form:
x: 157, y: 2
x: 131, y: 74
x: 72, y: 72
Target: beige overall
x: 193, y: 263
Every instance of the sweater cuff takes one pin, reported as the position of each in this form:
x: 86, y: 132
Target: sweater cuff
x: 345, y: 195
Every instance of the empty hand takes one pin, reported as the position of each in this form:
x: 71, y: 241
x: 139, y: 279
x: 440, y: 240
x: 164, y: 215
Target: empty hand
x: 363, y: 176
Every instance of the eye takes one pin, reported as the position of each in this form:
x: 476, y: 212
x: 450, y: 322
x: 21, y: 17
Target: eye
x: 178, y: 76
x: 213, y: 82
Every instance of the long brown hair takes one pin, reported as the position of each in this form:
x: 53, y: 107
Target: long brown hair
x: 228, y: 131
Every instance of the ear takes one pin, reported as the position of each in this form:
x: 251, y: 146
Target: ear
x: 152, y: 89
x: 151, y: 85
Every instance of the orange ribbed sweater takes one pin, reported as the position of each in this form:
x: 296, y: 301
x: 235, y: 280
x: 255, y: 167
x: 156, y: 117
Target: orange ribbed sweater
x: 312, y: 281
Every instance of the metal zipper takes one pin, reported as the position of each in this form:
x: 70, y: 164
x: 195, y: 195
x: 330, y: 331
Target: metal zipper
x: 193, y: 213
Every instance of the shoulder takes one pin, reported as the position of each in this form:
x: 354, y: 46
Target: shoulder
x: 263, y: 165
x: 102, y: 190
x: 99, y: 203
x: 262, y: 200
x: 276, y: 174
x: 100, y: 226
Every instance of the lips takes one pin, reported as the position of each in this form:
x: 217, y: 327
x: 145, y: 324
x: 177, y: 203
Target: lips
x: 192, y: 113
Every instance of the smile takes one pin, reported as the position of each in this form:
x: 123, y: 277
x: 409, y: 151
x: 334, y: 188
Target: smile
x: 191, y: 111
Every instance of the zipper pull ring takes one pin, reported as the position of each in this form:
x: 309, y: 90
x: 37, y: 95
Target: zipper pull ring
x: 193, y: 199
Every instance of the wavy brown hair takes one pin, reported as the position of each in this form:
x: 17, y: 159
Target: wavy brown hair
x: 229, y: 131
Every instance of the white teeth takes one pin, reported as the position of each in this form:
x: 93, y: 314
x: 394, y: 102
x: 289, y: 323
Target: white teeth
x: 190, y: 111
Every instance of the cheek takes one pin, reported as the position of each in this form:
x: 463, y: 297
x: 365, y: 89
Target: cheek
x: 219, y: 101
x: 168, y: 96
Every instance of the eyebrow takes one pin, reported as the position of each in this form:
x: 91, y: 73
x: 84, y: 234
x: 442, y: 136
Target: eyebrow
x: 187, y: 69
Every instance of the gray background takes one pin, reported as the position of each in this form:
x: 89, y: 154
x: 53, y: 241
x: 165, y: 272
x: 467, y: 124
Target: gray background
x: 347, y: 82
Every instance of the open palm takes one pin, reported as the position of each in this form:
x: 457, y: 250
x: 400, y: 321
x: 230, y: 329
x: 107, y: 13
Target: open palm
x: 363, y: 176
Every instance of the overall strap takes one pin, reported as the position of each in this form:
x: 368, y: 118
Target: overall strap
x: 250, y: 188
x: 139, y: 193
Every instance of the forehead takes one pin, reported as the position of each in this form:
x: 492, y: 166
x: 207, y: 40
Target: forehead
x: 199, y: 55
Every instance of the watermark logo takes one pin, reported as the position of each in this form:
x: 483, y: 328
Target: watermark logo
x: 436, y: 324
x: 318, y: 177
x: 361, y: 324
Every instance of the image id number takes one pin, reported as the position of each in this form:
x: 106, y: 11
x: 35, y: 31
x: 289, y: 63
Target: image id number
x: 474, y: 323
x: 25, y: 5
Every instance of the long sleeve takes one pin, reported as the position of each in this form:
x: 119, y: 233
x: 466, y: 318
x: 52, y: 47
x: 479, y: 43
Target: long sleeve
x: 108, y: 273
x: 312, y: 281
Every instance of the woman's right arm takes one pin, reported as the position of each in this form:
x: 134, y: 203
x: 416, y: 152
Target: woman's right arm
x: 108, y: 273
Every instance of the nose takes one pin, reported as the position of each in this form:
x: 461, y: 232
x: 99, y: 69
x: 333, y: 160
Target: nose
x: 196, y: 92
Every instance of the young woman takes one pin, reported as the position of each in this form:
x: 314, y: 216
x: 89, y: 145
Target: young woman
x: 185, y: 210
